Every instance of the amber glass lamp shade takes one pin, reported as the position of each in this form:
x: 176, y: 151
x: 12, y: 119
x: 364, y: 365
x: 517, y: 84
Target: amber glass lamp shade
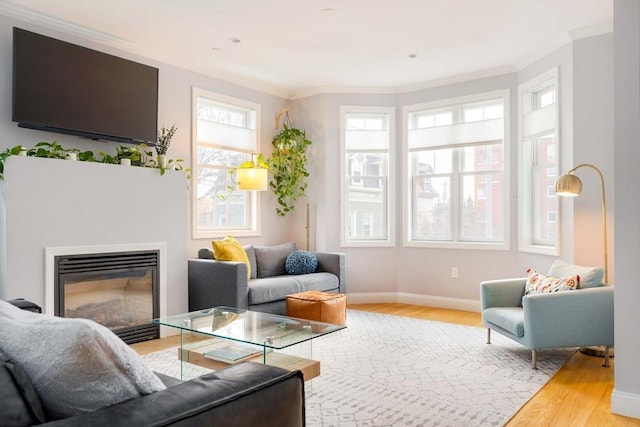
x: 252, y: 179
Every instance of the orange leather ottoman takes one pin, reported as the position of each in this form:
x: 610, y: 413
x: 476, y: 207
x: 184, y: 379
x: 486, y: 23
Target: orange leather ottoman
x: 320, y: 306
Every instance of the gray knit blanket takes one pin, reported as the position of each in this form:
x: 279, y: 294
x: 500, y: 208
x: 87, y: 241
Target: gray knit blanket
x: 75, y: 365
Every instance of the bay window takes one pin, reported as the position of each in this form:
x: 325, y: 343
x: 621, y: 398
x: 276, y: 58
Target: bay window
x: 457, y: 193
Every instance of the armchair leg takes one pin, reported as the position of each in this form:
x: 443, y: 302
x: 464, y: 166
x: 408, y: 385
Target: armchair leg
x: 534, y: 359
x: 606, y: 357
x: 488, y: 335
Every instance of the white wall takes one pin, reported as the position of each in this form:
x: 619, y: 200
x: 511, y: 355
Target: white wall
x: 60, y: 203
x: 424, y: 275
x: 174, y: 107
x: 626, y: 395
x: 412, y: 271
x: 592, y: 142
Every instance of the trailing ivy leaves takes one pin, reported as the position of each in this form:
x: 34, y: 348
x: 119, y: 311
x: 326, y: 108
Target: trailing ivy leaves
x: 53, y: 150
x: 50, y: 150
x: 288, y: 164
x: 13, y: 151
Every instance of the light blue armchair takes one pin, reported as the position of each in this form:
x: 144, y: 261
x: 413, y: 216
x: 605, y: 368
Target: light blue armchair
x: 578, y: 318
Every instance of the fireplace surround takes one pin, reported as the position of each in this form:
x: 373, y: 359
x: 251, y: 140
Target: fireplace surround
x: 59, y: 207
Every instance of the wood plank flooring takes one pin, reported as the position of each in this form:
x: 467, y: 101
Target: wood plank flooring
x: 578, y: 395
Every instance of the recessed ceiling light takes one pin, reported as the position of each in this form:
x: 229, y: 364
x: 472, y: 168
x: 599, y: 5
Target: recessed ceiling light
x: 412, y: 55
x: 328, y: 11
x: 234, y: 40
x: 216, y: 49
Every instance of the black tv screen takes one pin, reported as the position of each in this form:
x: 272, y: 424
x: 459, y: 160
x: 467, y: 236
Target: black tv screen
x: 64, y: 88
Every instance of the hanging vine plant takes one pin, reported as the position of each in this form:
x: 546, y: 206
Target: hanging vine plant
x: 288, y: 165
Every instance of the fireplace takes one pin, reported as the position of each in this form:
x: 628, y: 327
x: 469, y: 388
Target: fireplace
x: 119, y: 290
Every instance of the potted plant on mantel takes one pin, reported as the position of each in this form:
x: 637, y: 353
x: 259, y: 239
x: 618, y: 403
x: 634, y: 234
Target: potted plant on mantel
x: 288, y: 164
x: 162, y: 145
x: 133, y: 154
x: 53, y: 150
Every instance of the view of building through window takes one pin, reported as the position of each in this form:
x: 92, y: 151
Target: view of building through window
x: 456, y: 166
x: 366, y: 145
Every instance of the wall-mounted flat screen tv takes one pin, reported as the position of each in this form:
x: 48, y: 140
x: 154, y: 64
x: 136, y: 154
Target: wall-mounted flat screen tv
x: 65, y: 88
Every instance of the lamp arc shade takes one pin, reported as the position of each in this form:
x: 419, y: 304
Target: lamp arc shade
x: 568, y: 185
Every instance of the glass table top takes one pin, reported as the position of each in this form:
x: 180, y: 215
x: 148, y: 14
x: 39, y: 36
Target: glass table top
x: 250, y: 327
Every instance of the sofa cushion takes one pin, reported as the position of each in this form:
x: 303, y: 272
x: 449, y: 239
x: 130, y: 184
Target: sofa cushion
x: 270, y: 260
x: 317, y: 282
x: 207, y: 253
x: 89, y: 363
x: 251, y: 254
x: 590, y: 277
x: 26, y: 305
x: 271, y: 289
x: 19, y: 402
x: 538, y: 283
x: 511, y: 319
x: 229, y: 249
x: 301, y: 262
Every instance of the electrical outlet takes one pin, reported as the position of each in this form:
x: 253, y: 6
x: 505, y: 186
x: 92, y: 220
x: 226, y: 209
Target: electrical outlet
x: 454, y: 272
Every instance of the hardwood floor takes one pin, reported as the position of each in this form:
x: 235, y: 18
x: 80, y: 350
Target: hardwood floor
x: 578, y: 395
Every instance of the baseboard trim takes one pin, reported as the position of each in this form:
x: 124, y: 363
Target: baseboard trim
x: 625, y: 403
x: 416, y: 299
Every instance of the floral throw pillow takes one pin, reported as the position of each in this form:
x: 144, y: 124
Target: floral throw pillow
x: 538, y: 283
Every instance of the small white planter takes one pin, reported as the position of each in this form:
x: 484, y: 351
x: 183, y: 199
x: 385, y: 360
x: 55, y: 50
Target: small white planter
x: 162, y: 161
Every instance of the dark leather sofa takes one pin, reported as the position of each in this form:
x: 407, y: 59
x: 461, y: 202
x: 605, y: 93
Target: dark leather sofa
x: 245, y: 394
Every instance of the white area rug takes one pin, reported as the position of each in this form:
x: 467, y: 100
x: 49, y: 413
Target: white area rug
x: 395, y: 371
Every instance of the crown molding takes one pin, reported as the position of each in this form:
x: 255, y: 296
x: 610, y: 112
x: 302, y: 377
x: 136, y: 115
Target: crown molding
x: 13, y: 10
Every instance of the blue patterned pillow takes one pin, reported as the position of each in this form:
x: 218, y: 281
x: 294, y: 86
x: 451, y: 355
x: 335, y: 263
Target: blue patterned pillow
x: 301, y: 262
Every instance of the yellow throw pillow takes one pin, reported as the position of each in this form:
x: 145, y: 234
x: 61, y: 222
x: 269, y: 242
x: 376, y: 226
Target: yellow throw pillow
x: 229, y: 249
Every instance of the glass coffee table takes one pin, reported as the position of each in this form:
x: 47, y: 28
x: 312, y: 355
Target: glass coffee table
x: 217, y: 337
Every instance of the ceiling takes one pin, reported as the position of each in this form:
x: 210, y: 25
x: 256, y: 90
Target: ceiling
x: 293, y: 48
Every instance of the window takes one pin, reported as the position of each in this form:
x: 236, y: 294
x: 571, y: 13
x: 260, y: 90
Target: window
x: 224, y: 132
x: 455, y: 154
x: 367, y: 195
x: 538, y: 131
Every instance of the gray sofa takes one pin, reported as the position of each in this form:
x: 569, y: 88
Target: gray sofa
x: 245, y: 394
x: 225, y: 283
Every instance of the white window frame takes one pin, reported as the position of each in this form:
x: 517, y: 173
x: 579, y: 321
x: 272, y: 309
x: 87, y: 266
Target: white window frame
x: 526, y: 240
x: 346, y: 215
x: 252, y: 213
x: 407, y: 191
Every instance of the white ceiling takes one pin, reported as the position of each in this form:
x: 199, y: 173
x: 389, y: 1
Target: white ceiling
x: 296, y: 47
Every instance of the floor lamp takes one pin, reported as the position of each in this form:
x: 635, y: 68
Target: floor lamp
x: 570, y: 185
